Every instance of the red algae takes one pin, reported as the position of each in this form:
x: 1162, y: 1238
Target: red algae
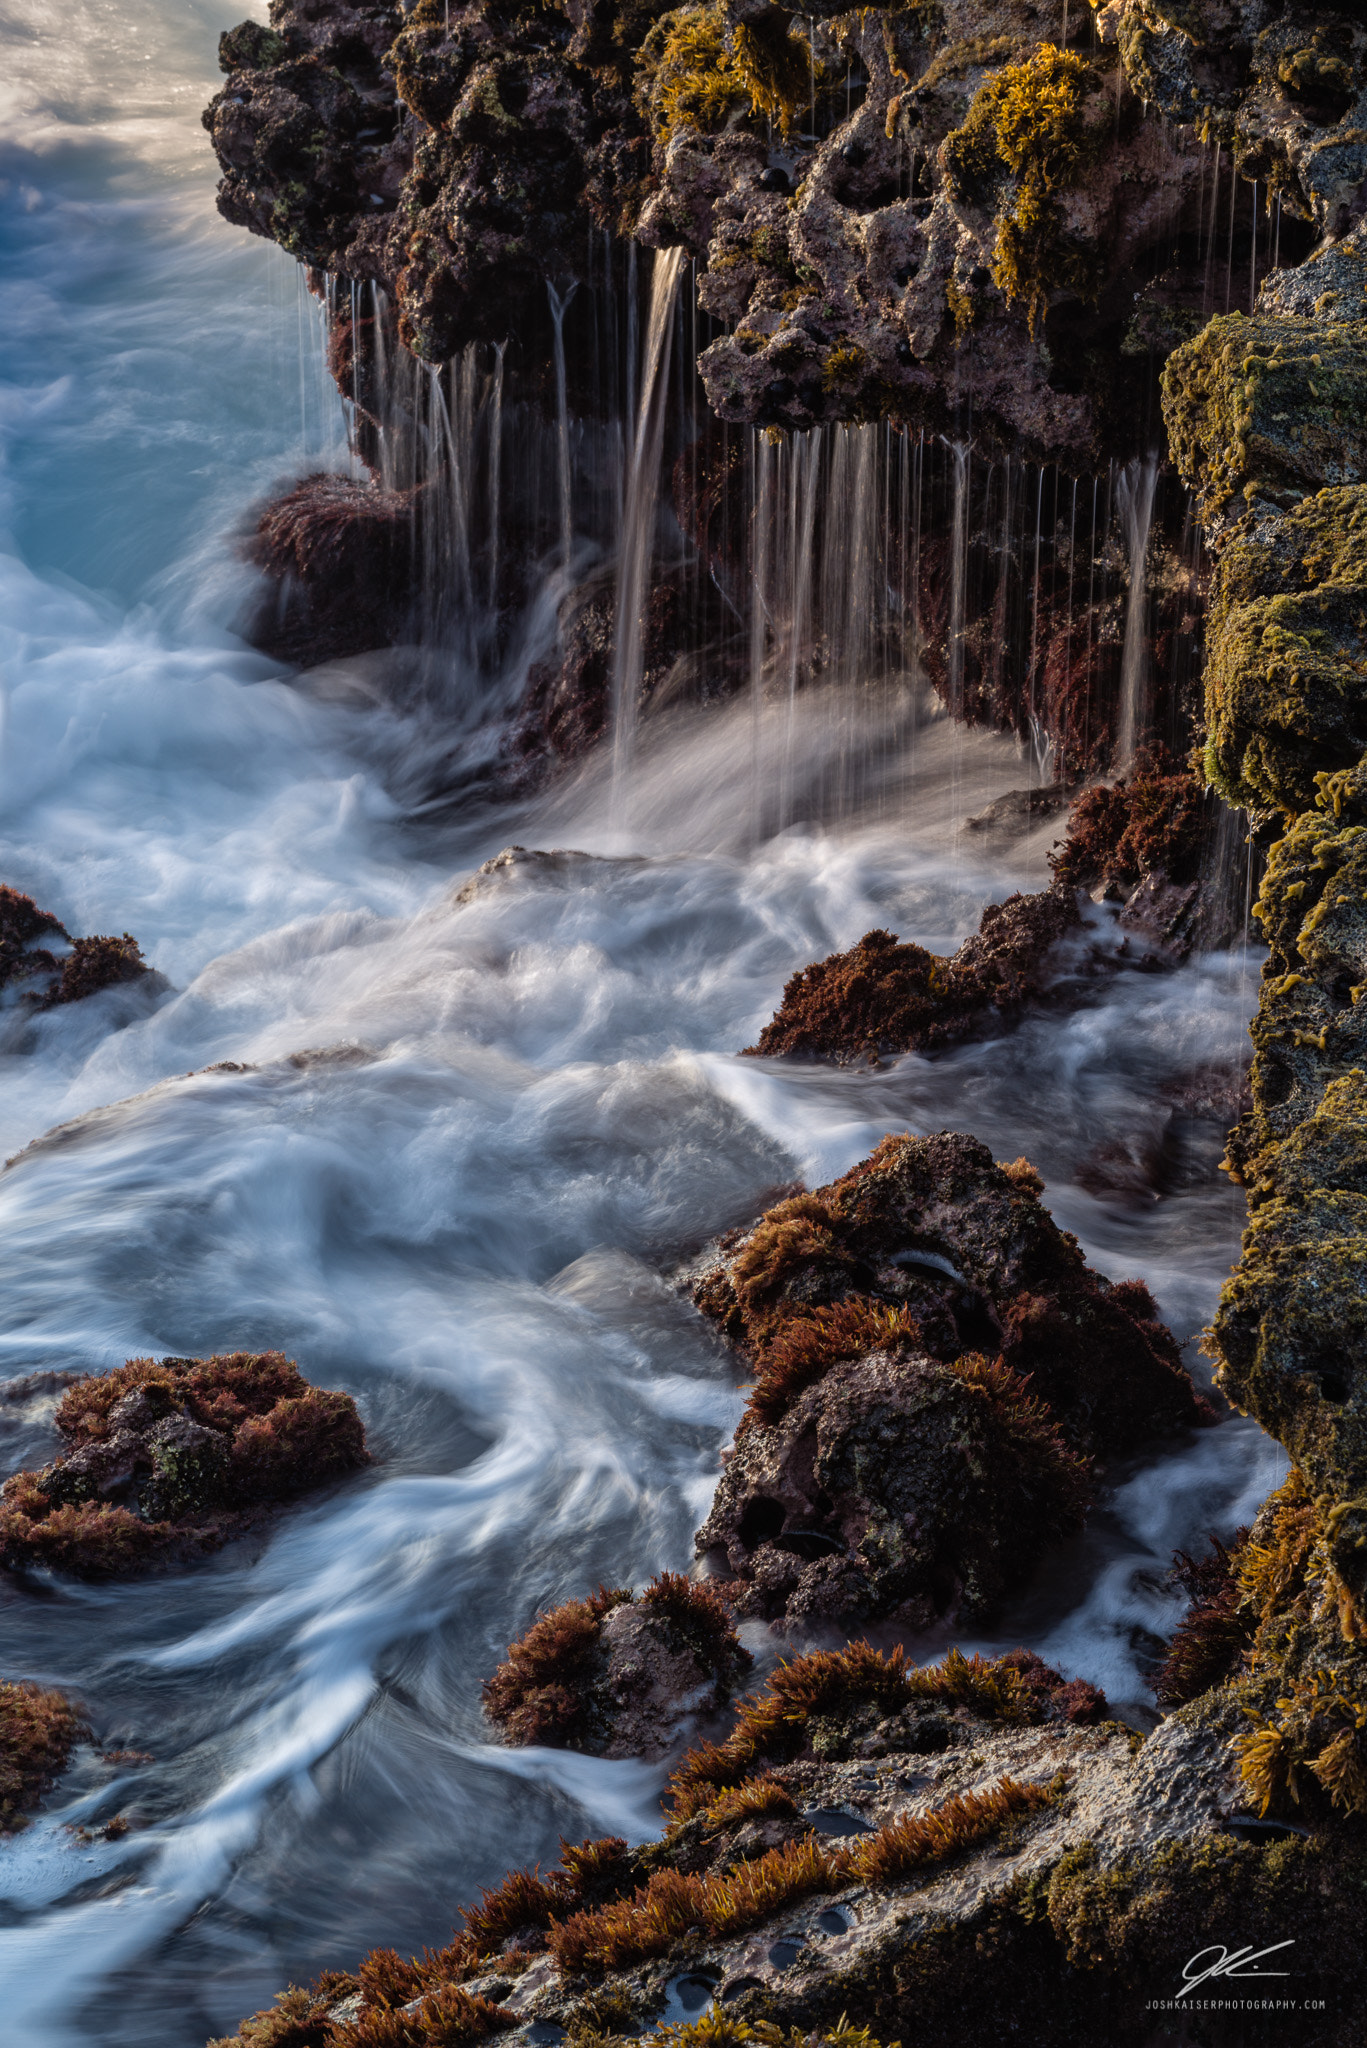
x: 168, y: 1457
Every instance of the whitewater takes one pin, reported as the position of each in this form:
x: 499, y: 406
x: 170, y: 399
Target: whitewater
x: 441, y: 1136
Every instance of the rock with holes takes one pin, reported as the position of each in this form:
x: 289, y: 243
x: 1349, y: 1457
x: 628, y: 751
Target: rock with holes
x: 935, y: 1365
x: 896, y: 1486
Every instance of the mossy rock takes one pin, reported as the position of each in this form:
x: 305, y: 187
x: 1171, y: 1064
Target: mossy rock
x: 1266, y: 406
x: 1292, y: 1334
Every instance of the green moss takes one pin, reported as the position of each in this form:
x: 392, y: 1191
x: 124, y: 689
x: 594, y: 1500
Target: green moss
x: 251, y: 46
x: 1030, y: 123
x: 690, y: 74
x: 1267, y: 406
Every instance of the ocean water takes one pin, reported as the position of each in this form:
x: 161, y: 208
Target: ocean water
x: 463, y: 1136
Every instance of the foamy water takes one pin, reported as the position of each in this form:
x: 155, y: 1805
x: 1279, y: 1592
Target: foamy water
x: 463, y: 1142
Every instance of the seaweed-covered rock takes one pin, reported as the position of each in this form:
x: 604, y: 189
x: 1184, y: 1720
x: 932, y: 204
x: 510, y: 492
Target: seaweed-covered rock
x: 925, y: 1849
x: 37, y: 1730
x: 1284, y: 683
x: 1149, y: 841
x: 1274, y: 407
x: 83, y: 967
x: 170, y: 1457
x: 883, y: 997
x: 934, y: 1364
x: 618, y: 1674
x: 342, y: 557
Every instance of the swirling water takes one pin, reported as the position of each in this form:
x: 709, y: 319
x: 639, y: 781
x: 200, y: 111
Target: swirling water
x: 443, y: 1145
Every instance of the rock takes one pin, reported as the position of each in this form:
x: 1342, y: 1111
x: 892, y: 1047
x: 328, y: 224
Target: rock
x: 343, y: 558
x: 884, y: 998
x: 619, y: 1674
x: 169, y: 1458
x: 927, y: 1851
x: 1150, y: 841
x: 934, y: 1366
x: 37, y: 1730
x: 898, y: 1487
x: 85, y: 967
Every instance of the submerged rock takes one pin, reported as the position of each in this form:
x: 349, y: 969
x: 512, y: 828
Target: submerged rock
x: 81, y: 969
x: 618, y: 1674
x: 934, y: 1366
x: 170, y: 1457
x: 37, y: 1730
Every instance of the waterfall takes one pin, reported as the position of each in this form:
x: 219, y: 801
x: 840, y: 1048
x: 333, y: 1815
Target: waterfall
x: 958, y: 579
x: 559, y: 308
x: 638, y: 521
x: 1135, y: 495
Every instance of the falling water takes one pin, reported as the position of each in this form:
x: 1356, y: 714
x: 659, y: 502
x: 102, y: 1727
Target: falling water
x: 559, y: 307
x: 638, y: 523
x: 1135, y: 496
x: 958, y: 577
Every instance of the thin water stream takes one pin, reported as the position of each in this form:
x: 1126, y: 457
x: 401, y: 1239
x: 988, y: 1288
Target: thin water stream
x: 443, y: 1142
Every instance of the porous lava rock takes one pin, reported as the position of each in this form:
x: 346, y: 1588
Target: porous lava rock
x: 927, y: 1850
x: 167, y: 1458
x: 619, y: 1674
x: 886, y: 208
x: 934, y: 1366
x: 884, y: 997
x: 82, y: 968
x: 37, y: 1729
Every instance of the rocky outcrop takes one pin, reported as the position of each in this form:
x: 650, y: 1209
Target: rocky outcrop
x: 928, y: 1851
x: 80, y: 968
x: 619, y: 1674
x: 889, y: 211
x: 935, y: 1366
x: 167, y: 1458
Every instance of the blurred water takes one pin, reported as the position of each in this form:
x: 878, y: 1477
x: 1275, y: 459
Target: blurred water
x: 464, y: 1135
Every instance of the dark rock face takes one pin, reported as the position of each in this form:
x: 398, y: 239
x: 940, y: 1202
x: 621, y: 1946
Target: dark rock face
x: 171, y: 1457
x: 90, y: 964
x: 342, y: 556
x: 898, y: 1486
x: 619, y: 1674
x: 882, y: 997
x: 948, y: 200
x: 934, y: 1365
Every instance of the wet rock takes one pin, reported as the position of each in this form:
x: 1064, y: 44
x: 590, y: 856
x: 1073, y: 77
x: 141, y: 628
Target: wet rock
x: 898, y: 1486
x: 168, y: 1458
x: 884, y: 998
x: 342, y: 557
x: 619, y: 1674
x: 37, y: 1730
x: 1151, y: 842
x: 82, y: 968
x: 934, y: 1365
x: 927, y: 1850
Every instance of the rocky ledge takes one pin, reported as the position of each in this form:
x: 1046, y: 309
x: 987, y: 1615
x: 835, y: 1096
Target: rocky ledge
x: 935, y: 1852
x: 888, y: 209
